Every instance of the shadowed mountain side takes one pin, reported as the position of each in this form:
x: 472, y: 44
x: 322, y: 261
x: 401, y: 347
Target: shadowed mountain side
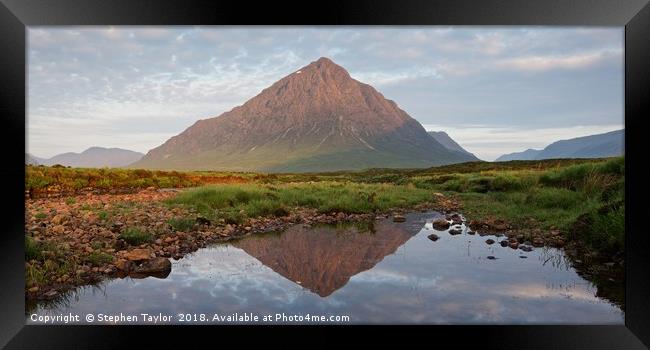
x: 610, y: 144
x: 316, y: 111
x: 444, y: 139
x: 323, y: 259
x: 93, y: 157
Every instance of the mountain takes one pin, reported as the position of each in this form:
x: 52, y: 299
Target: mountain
x: 323, y: 259
x: 94, y: 157
x: 528, y: 154
x: 32, y: 160
x: 610, y: 144
x: 448, y: 142
x: 315, y: 119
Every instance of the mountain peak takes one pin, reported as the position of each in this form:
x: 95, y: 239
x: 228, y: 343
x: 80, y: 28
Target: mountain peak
x: 315, y: 118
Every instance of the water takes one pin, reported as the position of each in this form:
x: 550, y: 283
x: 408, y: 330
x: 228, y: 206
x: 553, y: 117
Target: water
x: 384, y: 272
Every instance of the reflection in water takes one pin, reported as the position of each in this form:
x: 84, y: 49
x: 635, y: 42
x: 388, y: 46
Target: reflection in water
x: 324, y: 258
x: 390, y: 273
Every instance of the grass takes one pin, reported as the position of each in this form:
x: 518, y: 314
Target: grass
x: 529, y: 194
x: 588, y: 195
x: 40, y: 215
x: 136, y: 236
x: 41, y: 179
x: 33, y: 250
x: 181, y: 224
x: 235, y: 203
x: 99, y: 258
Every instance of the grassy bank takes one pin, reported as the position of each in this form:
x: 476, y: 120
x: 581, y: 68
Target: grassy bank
x: 235, y: 203
x: 42, y: 179
x: 587, y: 200
x: 584, y: 198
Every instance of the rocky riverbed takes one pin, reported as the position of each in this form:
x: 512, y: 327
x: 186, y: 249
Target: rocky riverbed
x: 81, y: 239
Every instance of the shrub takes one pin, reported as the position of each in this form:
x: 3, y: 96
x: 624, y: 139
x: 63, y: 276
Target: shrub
x: 181, y: 224
x: 33, y: 250
x: 99, y: 258
x: 136, y: 236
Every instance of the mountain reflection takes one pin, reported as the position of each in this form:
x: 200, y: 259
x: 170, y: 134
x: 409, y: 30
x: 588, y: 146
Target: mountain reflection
x: 323, y: 259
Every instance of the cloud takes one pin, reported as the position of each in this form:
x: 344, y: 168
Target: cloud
x: 96, y: 80
x: 545, y: 63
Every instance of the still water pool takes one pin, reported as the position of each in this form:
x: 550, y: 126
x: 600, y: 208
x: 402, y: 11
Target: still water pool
x: 380, y: 272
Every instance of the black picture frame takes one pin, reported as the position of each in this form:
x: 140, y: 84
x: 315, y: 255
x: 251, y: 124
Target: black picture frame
x: 15, y: 15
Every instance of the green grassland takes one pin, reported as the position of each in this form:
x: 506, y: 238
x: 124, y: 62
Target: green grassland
x: 584, y: 198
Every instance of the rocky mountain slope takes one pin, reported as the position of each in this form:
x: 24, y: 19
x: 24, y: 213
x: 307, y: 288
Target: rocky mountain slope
x: 317, y: 118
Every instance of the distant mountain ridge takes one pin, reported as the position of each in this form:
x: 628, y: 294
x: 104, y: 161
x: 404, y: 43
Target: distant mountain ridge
x: 93, y: 157
x: 317, y: 118
x: 610, y: 144
x: 444, y: 139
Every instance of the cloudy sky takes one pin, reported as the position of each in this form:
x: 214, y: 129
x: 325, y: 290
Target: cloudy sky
x: 494, y: 90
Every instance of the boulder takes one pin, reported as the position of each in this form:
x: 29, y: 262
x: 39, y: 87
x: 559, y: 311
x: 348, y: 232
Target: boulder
x: 538, y: 242
x: 398, y: 218
x: 124, y: 265
x: 504, y: 243
x: 440, y: 224
x: 154, y: 266
x: 455, y: 231
x: 138, y: 254
x: 489, y: 241
x: 434, y: 237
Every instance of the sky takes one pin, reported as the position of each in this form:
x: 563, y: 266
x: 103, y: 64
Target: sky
x: 494, y: 90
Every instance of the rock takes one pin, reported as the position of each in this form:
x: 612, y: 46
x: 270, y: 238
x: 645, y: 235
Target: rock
x: 203, y: 221
x: 155, y: 265
x: 440, y: 224
x: 120, y: 244
x: 138, y: 254
x: 514, y: 245
x: 523, y: 256
x: 51, y: 294
x: 489, y: 241
x: 555, y: 233
x: 526, y: 248
x: 538, y: 242
x: 504, y: 243
x: 124, y: 265
x: 470, y: 232
x: 433, y: 237
x: 58, y: 219
x: 455, y: 231
x: 398, y: 218
x: 33, y: 289
x: 58, y: 229
x: 491, y: 257
x: 558, y: 243
x: 455, y: 218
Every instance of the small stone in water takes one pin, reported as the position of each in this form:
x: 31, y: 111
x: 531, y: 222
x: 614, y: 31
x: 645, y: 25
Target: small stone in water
x: 433, y: 237
x: 490, y: 241
x: 491, y: 257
